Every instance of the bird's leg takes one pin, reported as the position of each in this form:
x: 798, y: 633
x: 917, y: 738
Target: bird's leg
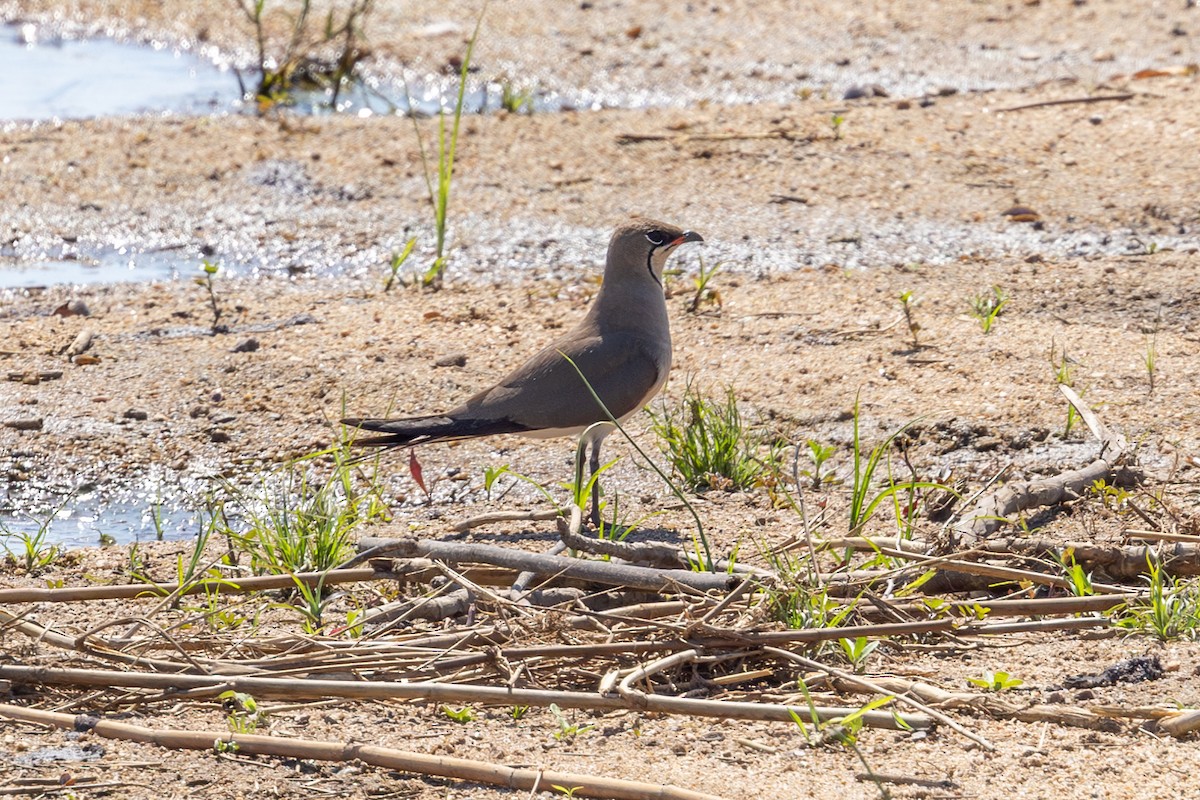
x: 593, y: 467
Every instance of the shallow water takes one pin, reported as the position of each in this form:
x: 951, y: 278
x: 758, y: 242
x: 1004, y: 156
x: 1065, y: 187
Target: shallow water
x: 82, y: 78
x: 93, y: 519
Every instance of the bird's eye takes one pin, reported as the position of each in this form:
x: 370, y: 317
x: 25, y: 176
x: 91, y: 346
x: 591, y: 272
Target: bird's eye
x: 657, y: 238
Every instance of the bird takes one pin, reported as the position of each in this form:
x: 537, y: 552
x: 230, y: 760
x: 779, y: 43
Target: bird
x: 622, y: 346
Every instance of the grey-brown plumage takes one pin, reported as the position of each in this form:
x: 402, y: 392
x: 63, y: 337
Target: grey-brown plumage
x: 622, y: 346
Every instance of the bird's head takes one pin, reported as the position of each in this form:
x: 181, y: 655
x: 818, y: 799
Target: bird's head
x: 642, y: 246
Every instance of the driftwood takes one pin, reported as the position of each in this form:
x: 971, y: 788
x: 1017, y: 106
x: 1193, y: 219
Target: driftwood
x: 603, y: 573
x: 1128, y: 561
x: 387, y: 757
x: 1173, y: 721
x: 994, y: 509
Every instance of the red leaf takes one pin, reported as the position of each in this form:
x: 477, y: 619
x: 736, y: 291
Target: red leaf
x: 414, y: 468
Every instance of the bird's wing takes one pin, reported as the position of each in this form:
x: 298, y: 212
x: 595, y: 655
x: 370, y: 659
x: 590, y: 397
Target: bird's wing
x: 547, y: 393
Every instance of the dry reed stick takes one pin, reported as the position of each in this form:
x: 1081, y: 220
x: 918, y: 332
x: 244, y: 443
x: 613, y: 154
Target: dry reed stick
x: 375, y: 755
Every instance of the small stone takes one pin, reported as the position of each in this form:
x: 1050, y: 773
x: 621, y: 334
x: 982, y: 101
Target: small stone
x: 1096, y: 119
x: 136, y: 413
x: 31, y: 424
x: 73, y: 308
x: 869, y: 90
x: 219, y: 436
x: 246, y: 345
x: 452, y: 360
x: 1021, y: 214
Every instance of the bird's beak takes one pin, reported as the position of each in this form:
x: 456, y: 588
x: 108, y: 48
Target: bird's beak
x: 688, y: 236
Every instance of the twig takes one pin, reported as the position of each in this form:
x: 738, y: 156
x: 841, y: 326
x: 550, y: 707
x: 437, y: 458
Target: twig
x: 504, y: 516
x: 386, y: 757
x: 72, y: 594
x: 634, y: 138
x: 874, y: 687
x: 293, y: 689
x: 1104, y: 98
x: 781, y: 713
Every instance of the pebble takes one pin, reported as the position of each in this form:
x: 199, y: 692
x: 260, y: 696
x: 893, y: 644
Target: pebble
x: 218, y: 436
x: 869, y: 90
x: 80, y: 344
x: 135, y: 413
x: 73, y: 308
x: 246, y: 345
x: 29, y: 424
x: 452, y: 360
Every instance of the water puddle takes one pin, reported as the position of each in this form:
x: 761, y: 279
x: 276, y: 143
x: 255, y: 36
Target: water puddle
x: 82, y: 78
x: 45, y: 517
x: 99, y: 77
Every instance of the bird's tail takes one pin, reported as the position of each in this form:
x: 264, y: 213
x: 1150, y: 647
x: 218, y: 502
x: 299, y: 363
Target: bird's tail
x: 423, y: 430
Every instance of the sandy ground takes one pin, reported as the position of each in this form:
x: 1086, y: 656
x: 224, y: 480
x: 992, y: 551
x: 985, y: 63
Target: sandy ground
x: 822, y: 231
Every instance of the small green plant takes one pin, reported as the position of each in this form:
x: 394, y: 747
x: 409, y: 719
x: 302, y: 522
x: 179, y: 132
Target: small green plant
x: 1081, y: 581
x: 996, y: 681
x: 1171, y: 610
x: 835, y: 123
x: 1150, y: 358
x: 986, y: 308
x: 398, y: 259
x: 298, y: 524
x: 298, y: 65
x: 242, y: 712
x: 708, y: 444
x: 34, y: 551
x: 1113, y: 497
x: 439, y: 196
x: 841, y: 731
x: 1063, y: 366
x: 206, y: 280
x: 491, y: 475
x: 517, y: 712
x: 858, y: 650
x: 567, y: 730
x: 566, y: 791
x: 819, y: 454
x: 462, y: 715
x: 862, y: 502
x: 516, y: 99
x: 704, y: 293
x: 908, y: 305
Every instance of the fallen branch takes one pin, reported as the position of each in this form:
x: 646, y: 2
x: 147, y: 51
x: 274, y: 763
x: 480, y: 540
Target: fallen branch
x: 599, y: 572
x: 1181, y: 559
x: 505, y: 516
x: 658, y: 555
x: 375, y: 755
x: 995, y: 508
